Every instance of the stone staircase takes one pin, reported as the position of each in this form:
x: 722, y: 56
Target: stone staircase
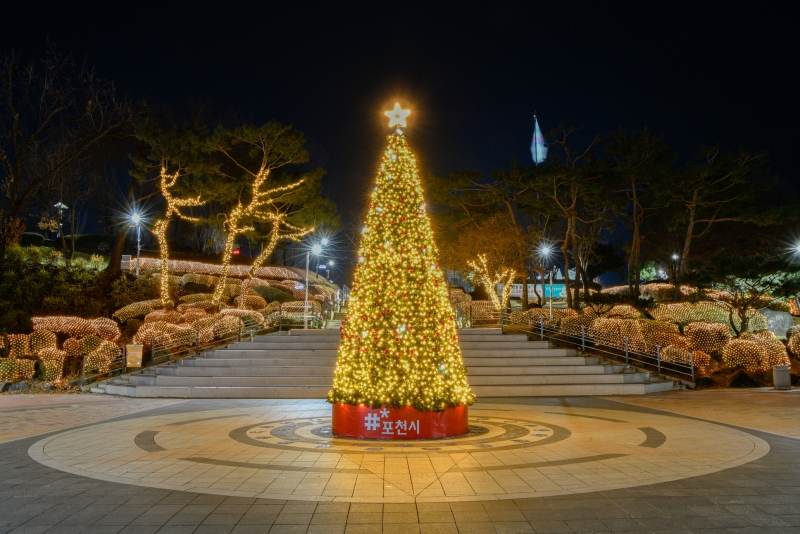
x: 300, y: 365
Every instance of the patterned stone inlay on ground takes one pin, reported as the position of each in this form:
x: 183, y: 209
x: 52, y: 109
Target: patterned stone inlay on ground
x: 273, y: 449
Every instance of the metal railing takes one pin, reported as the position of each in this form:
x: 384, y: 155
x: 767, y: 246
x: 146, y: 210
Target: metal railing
x: 670, y: 361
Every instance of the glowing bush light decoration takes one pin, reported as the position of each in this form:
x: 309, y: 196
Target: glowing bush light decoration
x: 710, y: 338
x: 399, y: 346
x: 102, y: 327
x: 136, y: 309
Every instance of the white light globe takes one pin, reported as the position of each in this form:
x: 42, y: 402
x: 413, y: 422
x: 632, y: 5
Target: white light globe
x: 324, y: 240
x: 135, y: 218
x: 316, y: 249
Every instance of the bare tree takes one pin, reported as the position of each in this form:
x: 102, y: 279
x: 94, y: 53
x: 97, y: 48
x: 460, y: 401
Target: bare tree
x: 56, y: 104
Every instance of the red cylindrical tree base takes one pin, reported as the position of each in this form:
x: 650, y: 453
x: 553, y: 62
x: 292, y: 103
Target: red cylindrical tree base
x: 398, y: 423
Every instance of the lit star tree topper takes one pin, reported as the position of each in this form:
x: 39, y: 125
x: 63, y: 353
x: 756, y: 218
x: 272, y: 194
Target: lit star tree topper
x: 397, y: 116
x: 399, y: 343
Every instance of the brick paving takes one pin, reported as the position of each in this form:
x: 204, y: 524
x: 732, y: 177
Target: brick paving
x: 760, y: 496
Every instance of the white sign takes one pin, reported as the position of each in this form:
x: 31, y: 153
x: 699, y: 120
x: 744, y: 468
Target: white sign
x: 559, y: 290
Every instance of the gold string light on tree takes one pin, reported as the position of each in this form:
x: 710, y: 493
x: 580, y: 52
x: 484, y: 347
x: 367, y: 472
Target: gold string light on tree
x: 276, y: 146
x: 399, y: 346
x: 490, y: 281
x: 168, y: 181
x: 294, y: 233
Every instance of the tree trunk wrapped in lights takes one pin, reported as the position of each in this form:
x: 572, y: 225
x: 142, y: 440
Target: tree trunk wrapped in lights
x: 491, y: 279
x: 399, y: 346
x: 296, y: 234
x: 168, y: 181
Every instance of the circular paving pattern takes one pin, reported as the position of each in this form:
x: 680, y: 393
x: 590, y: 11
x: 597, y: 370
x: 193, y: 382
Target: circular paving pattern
x: 304, y: 435
x: 285, y: 450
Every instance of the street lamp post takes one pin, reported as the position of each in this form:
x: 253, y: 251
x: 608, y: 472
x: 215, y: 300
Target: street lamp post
x: 316, y: 249
x: 545, y: 251
x: 136, y: 219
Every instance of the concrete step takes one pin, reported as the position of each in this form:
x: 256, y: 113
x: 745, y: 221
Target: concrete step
x: 235, y: 392
x: 231, y: 381
x: 310, y: 332
x: 494, y: 338
x: 273, y: 371
x: 263, y: 362
x: 329, y: 337
x: 572, y: 390
x: 479, y: 331
x: 543, y: 370
x: 305, y: 345
x: 496, y: 362
x: 486, y: 345
x: 272, y: 353
x: 539, y: 379
x: 513, y: 353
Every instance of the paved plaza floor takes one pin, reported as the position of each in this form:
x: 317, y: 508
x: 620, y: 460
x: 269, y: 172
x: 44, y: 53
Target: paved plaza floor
x: 673, y: 462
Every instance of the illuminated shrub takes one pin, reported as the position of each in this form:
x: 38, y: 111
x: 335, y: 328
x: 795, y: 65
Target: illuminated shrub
x: 571, y: 324
x: 149, y: 331
x: 78, y: 327
x: 297, y: 307
x: 51, y: 364
x: 200, y: 305
x: 225, y: 326
x: 273, y: 319
x: 707, y: 337
x: 191, y: 315
x: 165, y: 316
x: 196, y: 297
x: 252, y: 302
x: 42, y: 339
x: 794, y: 309
x: 776, y: 351
x: 50, y: 370
x: 14, y: 369
x: 137, y: 309
x: 72, y: 346
x: 200, y: 279
x: 90, y: 343
x: 662, y: 334
x: 618, y: 330
x: 100, y: 359
x: 657, y: 291
x: 793, y: 340
x: 617, y: 290
x: 18, y: 345
x: 743, y: 353
x: 272, y: 307
x: 623, y: 312
x: 705, y: 312
x: 106, y: 328
x: 457, y: 295
x: 274, y: 294
x: 236, y: 312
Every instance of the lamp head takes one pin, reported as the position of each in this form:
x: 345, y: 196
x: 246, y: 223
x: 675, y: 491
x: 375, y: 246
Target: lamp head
x: 324, y: 241
x: 675, y: 257
x: 316, y: 249
x: 136, y: 218
x: 331, y: 262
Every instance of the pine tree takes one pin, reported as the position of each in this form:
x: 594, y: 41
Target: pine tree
x: 399, y: 344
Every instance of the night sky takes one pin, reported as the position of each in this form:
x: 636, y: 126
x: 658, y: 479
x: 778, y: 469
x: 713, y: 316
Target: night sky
x: 473, y: 73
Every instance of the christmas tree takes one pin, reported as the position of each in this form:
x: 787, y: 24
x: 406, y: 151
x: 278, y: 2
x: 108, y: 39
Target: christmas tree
x: 399, y: 343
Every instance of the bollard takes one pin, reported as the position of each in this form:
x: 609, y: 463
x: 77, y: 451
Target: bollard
x: 781, y: 377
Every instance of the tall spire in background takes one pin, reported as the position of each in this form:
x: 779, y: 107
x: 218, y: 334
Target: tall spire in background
x: 538, y: 146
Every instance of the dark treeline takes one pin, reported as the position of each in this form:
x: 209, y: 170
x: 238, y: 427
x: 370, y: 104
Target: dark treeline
x: 72, y: 145
x: 622, y: 202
